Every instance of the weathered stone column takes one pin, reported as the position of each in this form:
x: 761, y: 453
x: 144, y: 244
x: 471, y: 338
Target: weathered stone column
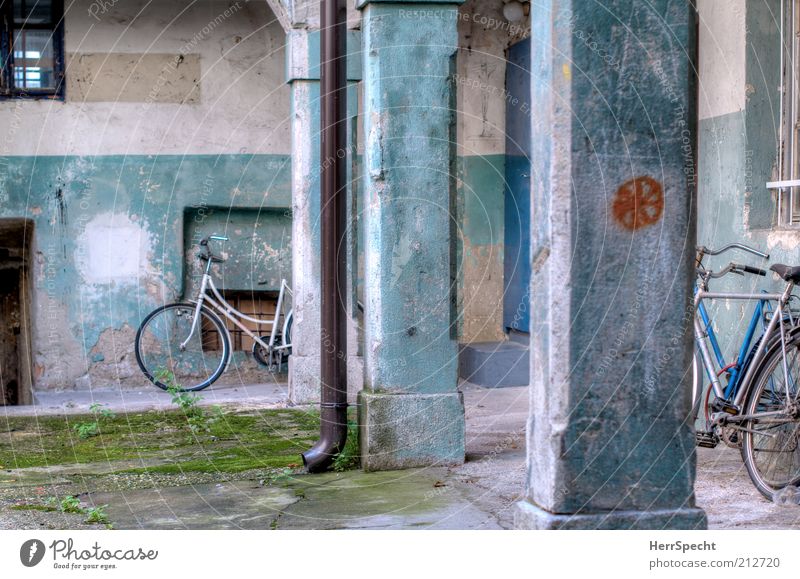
x: 411, y: 413
x: 613, y: 227
x: 303, y: 77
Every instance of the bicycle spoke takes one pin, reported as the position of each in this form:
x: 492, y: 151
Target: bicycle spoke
x: 774, y: 451
x: 160, y: 351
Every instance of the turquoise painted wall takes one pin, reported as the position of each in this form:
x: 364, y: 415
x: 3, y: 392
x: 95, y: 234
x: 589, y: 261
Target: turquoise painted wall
x: 480, y: 212
x: 85, y: 210
x: 738, y: 154
x: 109, y: 242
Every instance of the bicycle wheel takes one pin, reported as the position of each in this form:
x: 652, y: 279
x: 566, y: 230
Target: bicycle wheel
x: 165, y: 363
x: 770, y: 446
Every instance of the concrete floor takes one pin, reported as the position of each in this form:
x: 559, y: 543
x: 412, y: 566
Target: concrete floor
x: 147, y: 398
x: 477, y: 495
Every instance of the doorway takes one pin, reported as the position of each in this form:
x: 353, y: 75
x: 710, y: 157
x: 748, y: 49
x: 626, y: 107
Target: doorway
x: 517, y: 265
x: 15, y: 351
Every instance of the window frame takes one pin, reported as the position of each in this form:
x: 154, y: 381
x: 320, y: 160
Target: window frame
x: 8, y: 90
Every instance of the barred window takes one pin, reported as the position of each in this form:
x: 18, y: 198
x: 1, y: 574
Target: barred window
x: 31, y: 48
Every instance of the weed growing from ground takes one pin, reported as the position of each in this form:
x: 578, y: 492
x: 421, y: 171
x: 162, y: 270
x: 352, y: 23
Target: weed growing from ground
x: 97, y: 515
x: 198, y: 419
x: 350, y: 456
x: 86, y: 430
x: 70, y: 504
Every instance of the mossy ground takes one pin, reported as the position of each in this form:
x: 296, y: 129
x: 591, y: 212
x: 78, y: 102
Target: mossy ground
x: 43, y: 460
x: 236, y: 442
x: 33, y: 507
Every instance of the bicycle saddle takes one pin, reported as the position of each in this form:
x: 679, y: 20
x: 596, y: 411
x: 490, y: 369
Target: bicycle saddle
x: 787, y: 272
x: 214, y: 258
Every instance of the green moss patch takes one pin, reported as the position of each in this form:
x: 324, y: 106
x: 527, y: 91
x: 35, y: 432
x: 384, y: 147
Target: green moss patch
x: 42, y: 508
x: 236, y: 442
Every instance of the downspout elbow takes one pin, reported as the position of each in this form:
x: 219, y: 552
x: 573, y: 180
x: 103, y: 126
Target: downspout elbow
x: 319, y: 457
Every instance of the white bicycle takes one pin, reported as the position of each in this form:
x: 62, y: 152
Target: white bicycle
x: 187, y: 346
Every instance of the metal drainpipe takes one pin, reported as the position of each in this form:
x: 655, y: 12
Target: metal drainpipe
x: 333, y: 367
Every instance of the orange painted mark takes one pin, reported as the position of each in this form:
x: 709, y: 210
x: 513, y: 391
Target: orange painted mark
x: 638, y: 203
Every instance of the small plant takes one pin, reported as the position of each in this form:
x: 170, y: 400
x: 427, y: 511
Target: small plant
x: 101, y: 412
x: 198, y: 419
x: 97, y: 515
x: 70, y: 504
x: 278, y: 476
x: 86, y: 429
x: 350, y: 456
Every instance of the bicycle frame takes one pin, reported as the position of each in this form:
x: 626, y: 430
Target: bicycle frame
x: 739, y: 387
x: 218, y: 304
x: 734, y: 370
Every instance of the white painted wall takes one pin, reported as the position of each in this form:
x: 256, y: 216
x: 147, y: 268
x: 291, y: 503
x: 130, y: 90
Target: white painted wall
x: 722, y: 46
x: 243, y: 105
x: 484, y: 35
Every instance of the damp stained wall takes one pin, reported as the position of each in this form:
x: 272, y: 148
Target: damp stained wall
x: 174, y: 112
x: 484, y: 37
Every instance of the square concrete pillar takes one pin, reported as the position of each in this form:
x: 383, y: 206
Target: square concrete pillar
x: 411, y: 413
x: 303, y: 76
x: 613, y: 230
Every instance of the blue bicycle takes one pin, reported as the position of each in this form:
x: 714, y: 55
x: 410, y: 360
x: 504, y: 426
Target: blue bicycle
x: 758, y: 408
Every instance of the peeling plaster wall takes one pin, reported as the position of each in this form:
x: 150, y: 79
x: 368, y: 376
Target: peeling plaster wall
x: 484, y: 37
x: 189, y: 114
x: 738, y: 150
x: 243, y: 105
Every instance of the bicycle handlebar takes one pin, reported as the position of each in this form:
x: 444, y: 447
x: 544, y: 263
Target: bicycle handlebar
x: 703, y: 250
x: 205, y: 240
x: 732, y: 268
x: 753, y: 270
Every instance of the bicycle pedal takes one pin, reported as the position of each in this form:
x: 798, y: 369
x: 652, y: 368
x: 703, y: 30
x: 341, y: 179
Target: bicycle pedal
x: 720, y: 405
x: 706, y: 439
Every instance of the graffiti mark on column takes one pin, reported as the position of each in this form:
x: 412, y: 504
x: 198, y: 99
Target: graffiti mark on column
x: 638, y: 203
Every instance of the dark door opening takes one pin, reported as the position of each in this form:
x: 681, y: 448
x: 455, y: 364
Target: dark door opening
x: 15, y: 357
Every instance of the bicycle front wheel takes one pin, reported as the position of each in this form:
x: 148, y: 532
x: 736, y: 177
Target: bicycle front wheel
x: 770, y: 443
x: 173, y: 352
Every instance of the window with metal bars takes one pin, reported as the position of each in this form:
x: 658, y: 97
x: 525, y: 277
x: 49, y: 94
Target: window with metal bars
x: 31, y: 48
x: 787, y: 188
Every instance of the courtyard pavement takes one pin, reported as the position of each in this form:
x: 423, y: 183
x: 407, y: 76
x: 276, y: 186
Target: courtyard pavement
x: 480, y: 494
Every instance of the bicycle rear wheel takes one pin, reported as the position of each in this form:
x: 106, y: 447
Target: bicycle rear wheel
x: 286, y: 335
x: 193, y: 367
x: 770, y: 444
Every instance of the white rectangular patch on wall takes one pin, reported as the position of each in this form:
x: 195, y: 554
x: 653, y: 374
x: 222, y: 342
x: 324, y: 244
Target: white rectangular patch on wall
x: 112, y: 248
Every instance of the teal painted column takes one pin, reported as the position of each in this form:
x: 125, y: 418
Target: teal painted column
x: 613, y: 230
x: 410, y: 412
x: 303, y: 76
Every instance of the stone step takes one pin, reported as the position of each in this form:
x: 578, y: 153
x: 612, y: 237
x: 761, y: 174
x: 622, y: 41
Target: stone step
x: 495, y: 364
